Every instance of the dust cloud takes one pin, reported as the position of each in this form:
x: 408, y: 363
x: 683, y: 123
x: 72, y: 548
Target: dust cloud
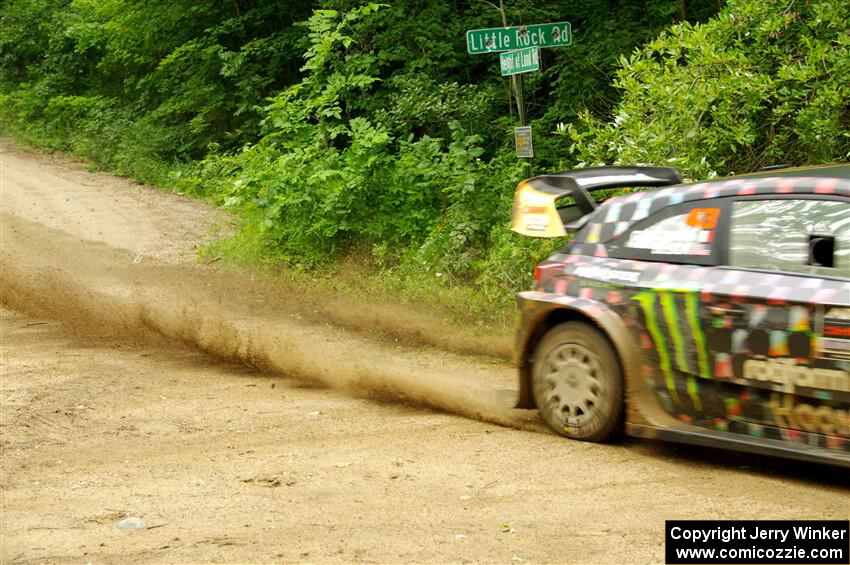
x: 99, y: 290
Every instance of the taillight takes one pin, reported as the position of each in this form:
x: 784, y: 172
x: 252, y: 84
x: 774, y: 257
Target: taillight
x: 537, y: 272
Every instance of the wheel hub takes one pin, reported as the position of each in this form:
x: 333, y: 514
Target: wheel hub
x: 572, y: 382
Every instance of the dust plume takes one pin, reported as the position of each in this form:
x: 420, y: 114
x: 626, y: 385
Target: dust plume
x: 96, y: 289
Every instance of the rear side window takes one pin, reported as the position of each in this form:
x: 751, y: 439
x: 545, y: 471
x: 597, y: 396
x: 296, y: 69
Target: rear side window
x: 791, y: 235
x: 688, y: 234
x: 685, y: 233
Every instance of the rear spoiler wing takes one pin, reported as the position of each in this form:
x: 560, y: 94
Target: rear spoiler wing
x: 535, y: 213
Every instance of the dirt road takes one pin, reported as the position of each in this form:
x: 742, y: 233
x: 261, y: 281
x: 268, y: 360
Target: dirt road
x: 125, y: 393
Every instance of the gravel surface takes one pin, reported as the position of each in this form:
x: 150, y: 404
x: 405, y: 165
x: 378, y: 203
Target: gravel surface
x: 143, y: 389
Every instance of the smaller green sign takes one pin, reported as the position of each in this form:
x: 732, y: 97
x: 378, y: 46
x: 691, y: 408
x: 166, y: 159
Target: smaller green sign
x: 522, y: 139
x: 520, y: 61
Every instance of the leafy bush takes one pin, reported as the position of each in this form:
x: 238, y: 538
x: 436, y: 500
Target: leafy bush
x: 762, y: 83
x: 319, y: 182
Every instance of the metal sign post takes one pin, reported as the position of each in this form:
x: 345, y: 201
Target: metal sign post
x: 519, y: 49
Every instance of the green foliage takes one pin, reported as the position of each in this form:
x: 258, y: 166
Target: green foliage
x: 171, y: 76
x: 763, y: 83
x: 422, y: 106
x: 379, y: 149
x: 321, y: 181
x: 340, y: 127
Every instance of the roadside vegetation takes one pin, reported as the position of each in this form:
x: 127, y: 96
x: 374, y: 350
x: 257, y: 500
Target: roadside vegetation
x: 349, y: 133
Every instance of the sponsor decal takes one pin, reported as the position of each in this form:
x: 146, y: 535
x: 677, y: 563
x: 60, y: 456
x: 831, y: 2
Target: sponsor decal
x: 536, y: 222
x: 834, y: 342
x: 790, y: 375
x: 673, y: 329
x: 703, y: 218
x: 599, y: 284
x: 647, y: 303
x: 834, y: 348
x: 838, y: 314
x: 571, y: 426
x: 534, y: 213
x: 688, y: 234
x: 674, y: 242
x: 820, y: 419
x: 606, y: 274
x: 669, y: 308
x: 836, y: 329
x: 692, y: 311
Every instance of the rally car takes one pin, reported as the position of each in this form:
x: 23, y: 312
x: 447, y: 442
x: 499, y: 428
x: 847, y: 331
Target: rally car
x: 715, y: 313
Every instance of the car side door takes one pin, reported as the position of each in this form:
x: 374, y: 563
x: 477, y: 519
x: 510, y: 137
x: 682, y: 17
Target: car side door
x: 775, y: 316
x: 678, y: 248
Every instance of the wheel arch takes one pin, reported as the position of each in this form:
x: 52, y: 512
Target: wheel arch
x: 600, y: 316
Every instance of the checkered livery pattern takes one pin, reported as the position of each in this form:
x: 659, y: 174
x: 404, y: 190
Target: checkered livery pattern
x: 617, y: 215
x: 699, y: 327
x: 724, y: 349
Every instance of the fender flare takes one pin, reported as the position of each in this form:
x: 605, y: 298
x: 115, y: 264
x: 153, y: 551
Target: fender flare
x: 542, y: 311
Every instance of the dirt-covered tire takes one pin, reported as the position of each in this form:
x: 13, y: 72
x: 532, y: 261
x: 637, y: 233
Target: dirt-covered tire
x: 578, y: 383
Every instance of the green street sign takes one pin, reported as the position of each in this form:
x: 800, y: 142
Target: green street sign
x: 520, y: 61
x: 511, y: 38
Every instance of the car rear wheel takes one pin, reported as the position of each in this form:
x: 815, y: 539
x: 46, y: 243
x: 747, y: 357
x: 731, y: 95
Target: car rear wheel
x: 578, y: 383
